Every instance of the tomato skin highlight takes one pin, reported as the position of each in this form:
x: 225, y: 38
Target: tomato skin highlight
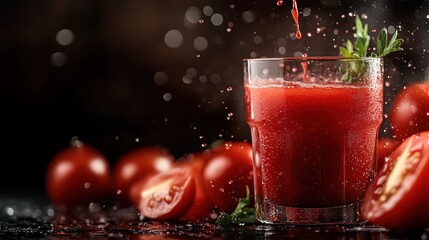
x: 136, y: 164
x: 228, y: 171
x: 78, y: 175
x: 409, y: 111
x: 164, y: 196
x: 398, y: 197
x: 385, y: 147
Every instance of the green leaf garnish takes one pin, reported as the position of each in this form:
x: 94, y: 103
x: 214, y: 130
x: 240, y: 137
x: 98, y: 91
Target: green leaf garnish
x: 244, y: 213
x: 360, y: 49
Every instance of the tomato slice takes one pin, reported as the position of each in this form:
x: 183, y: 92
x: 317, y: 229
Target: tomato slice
x: 398, y: 197
x: 166, y: 195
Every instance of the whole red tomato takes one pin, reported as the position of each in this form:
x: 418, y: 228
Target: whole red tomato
x: 139, y: 163
x: 409, y: 113
x: 385, y: 147
x: 398, y: 197
x: 78, y: 175
x: 228, y: 171
x: 164, y: 196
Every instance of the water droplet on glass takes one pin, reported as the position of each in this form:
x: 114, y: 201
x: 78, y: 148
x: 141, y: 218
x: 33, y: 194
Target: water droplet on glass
x: 222, y: 189
x: 279, y: 2
x: 265, y: 71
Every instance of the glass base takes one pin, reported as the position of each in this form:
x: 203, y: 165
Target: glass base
x: 270, y: 213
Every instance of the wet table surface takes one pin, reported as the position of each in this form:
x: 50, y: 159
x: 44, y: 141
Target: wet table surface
x: 24, y: 219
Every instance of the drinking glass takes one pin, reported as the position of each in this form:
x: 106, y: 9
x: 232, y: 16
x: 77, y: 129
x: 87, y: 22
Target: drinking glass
x: 314, y: 124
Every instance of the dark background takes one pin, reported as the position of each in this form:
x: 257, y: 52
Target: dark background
x: 117, y: 85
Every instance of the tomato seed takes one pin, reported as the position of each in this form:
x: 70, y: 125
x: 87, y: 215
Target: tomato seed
x: 151, y: 203
x: 168, y: 199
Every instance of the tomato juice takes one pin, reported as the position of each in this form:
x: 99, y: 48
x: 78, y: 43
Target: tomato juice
x: 314, y: 137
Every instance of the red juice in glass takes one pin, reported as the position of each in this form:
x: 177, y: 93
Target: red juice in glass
x: 314, y: 136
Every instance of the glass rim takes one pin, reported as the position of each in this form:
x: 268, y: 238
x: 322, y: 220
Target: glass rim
x: 309, y: 58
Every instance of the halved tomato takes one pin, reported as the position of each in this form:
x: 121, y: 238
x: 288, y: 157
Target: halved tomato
x: 137, y: 164
x: 201, y: 209
x: 166, y: 195
x: 398, y: 197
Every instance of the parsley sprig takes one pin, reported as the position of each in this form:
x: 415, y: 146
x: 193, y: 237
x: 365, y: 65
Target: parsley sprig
x: 244, y: 213
x: 359, y: 49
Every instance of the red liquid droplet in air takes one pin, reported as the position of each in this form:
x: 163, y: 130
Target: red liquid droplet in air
x: 304, y: 71
x: 295, y: 15
x: 279, y: 2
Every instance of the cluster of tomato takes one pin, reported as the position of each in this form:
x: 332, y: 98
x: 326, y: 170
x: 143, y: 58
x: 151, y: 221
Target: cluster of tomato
x: 196, y: 187
x: 398, y: 197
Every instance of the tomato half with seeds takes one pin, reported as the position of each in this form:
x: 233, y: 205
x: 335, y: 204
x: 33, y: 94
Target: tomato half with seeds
x: 164, y: 196
x: 398, y: 197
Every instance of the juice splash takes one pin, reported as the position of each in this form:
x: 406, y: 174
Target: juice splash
x: 295, y: 15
